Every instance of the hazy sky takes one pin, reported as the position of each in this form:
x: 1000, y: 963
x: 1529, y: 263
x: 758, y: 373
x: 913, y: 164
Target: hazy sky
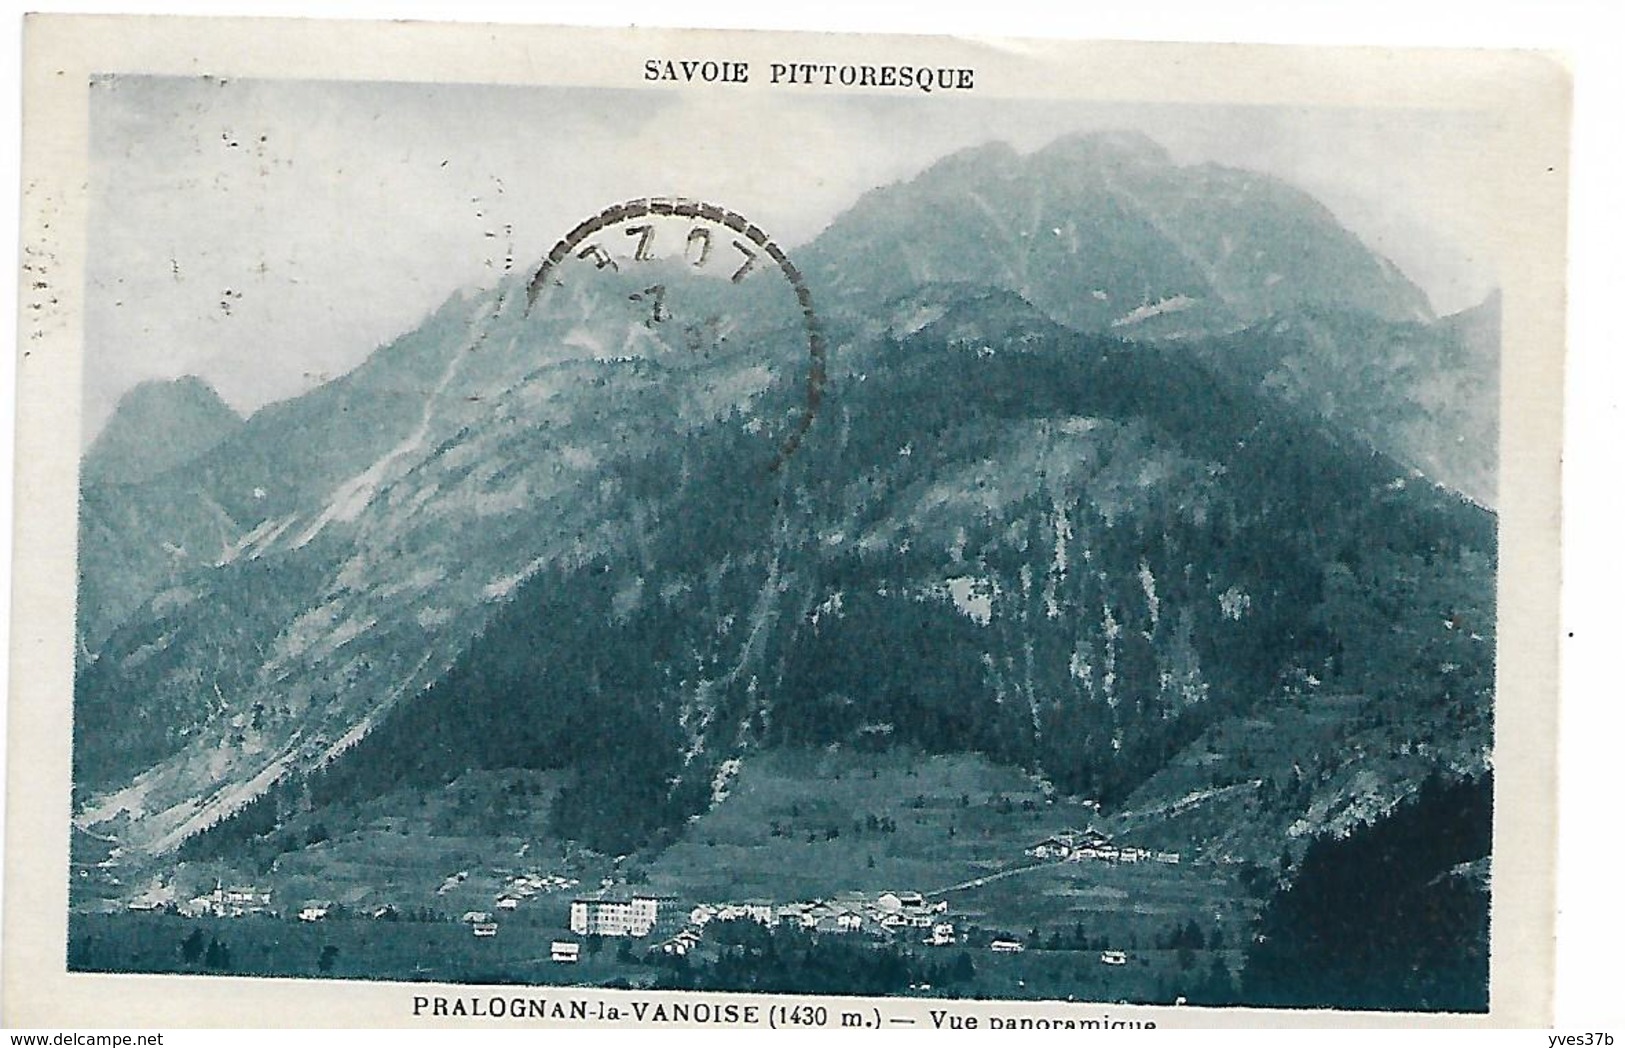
x: 268, y: 235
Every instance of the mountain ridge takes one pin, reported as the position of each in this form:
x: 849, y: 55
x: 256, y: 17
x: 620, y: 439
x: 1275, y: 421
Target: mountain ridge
x: 158, y: 426
x: 1090, y: 226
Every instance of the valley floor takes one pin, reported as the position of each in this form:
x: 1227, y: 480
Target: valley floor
x: 395, y: 877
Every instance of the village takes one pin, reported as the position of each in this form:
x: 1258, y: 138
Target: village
x: 665, y: 926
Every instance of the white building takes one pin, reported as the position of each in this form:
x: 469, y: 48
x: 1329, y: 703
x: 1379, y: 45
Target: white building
x: 1049, y: 848
x: 907, y: 910
x: 901, y: 902
x: 229, y: 902
x: 758, y: 910
x: 680, y: 944
x: 635, y: 916
x: 244, y: 899
x: 1069, y: 844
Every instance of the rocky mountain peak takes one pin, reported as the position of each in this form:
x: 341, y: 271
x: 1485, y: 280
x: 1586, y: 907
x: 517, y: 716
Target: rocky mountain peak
x: 1104, y: 231
x: 158, y: 426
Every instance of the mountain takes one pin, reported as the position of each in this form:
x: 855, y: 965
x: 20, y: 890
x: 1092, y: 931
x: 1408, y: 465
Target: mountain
x: 156, y: 427
x: 1165, y: 252
x: 1068, y: 552
x: 141, y: 541
x: 1426, y: 394
x: 132, y: 539
x: 378, y: 520
x: 561, y: 539
x: 1105, y: 231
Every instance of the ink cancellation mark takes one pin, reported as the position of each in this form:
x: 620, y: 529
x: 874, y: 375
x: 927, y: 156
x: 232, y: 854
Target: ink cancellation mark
x: 717, y: 242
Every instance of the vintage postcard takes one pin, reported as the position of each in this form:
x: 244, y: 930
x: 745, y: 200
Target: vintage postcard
x: 523, y: 525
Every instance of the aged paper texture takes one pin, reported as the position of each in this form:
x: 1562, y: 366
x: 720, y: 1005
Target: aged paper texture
x: 524, y: 525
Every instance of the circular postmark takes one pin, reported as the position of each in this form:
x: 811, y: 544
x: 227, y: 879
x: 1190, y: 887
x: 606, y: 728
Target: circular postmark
x: 659, y: 242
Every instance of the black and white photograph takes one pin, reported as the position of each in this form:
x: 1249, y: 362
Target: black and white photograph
x: 812, y: 523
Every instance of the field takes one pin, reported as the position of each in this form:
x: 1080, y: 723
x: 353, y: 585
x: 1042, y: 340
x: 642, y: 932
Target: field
x: 804, y: 825
x: 446, y: 952
x: 360, y: 949
x: 954, y: 827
